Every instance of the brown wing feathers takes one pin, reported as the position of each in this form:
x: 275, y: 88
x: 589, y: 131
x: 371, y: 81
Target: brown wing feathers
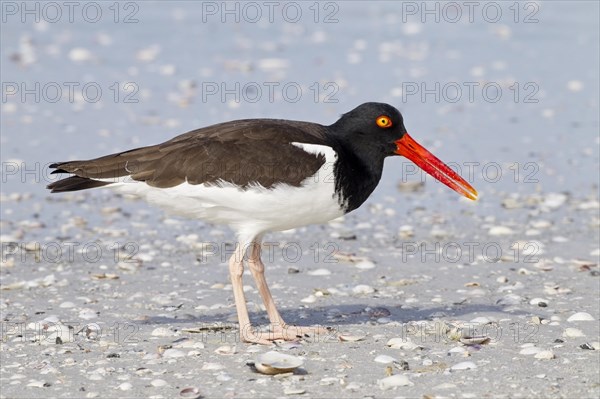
x: 240, y: 152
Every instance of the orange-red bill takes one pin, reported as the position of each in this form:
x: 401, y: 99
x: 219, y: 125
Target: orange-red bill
x: 412, y: 150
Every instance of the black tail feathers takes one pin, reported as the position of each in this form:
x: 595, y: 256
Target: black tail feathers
x: 75, y: 183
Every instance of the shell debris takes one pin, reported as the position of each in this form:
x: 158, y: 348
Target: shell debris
x: 272, y: 362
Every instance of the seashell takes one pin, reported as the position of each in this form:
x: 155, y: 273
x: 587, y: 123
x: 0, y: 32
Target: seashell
x: 385, y: 359
x: 36, y: 384
x: 476, y: 340
x: 554, y: 200
x: 482, y: 320
x: 225, y: 350
x: 319, y: 272
x: 463, y: 366
x: 55, y: 334
x: 272, y: 362
x: 217, y: 327
x: 572, y: 333
x: 162, y: 332
x: 351, y: 338
x: 212, y: 366
x: 348, y: 258
x: 403, y: 343
x: 593, y: 346
x: 190, y: 392
x: 309, y: 299
x: 530, y: 350
x: 580, y: 316
x: 293, y: 391
x: 364, y: 265
x: 546, y: 355
x: 102, y: 276
x: 173, y: 353
x: 363, y: 289
x: 541, y: 302
x: 126, y: 386
x: 80, y: 54
x: 500, y: 231
x: 393, y: 381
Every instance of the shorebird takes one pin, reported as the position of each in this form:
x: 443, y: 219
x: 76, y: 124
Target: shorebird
x: 263, y: 175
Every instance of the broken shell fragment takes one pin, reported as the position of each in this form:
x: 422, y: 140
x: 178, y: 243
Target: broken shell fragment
x: 190, y: 392
x: 581, y: 316
x: 351, y: 338
x: 403, y: 343
x: 385, y: 359
x: 397, y: 380
x: 547, y: 354
x: 475, y: 340
x: 463, y: 366
x: 573, y: 333
x: 272, y: 362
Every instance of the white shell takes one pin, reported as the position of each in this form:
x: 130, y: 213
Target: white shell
x: 190, y: 392
x: 403, y: 343
x: 464, y: 366
x: 385, y: 359
x: 173, y: 353
x: 276, y: 363
x: 293, y: 391
x: 319, y: 272
x: 397, y: 380
x: 581, y: 316
x: 573, y: 333
x: 537, y: 301
x: 531, y: 350
x: 351, y: 338
x: 225, y: 350
x: 482, y: 339
x: 500, y: 231
x: 545, y: 355
x: 364, y: 265
x: 159, y: 383
x: 482, y: 320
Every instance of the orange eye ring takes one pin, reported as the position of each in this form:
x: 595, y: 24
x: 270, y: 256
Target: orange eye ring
x: 384, y: 121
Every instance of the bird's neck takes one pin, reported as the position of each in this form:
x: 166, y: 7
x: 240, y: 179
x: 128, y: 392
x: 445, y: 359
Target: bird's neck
x: 356, y: 176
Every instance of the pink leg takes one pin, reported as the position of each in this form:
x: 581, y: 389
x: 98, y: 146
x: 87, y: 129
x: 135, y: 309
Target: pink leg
x: 258, y: 272
x: 236, y: 270
x: 280, y: 329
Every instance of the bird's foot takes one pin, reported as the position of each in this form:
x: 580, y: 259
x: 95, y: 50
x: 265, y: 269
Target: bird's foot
x: 252, y: 335
x: 258, y: 338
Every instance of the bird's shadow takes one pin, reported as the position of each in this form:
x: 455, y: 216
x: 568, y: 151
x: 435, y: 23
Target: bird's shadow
x: 338, y: 316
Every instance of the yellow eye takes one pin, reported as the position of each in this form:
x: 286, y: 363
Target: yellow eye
x: 384, y: 121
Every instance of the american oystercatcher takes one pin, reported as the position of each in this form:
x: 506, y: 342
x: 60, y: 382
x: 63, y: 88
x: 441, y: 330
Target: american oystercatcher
x: 263, y: 175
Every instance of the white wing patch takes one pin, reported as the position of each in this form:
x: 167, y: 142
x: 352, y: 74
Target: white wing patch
x: 325, y: 175
x: 325, y: 150
x: 325, y: 172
